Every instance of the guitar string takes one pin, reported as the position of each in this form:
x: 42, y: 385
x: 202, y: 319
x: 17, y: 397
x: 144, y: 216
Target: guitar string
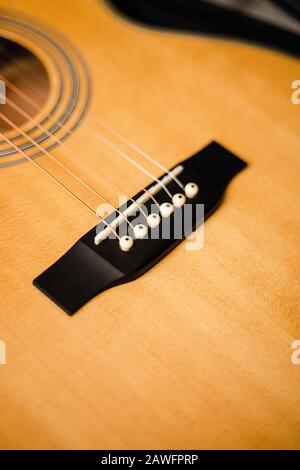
x: 118, y: 151
x: 127, y: 157
x: 135, y: 147
x: 123, y: 139
x: 71, y: 151
x: 46, y: 152
x: 10, y: 142
x: 67, y: 147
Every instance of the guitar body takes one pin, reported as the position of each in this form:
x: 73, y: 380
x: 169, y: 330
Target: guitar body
x: 197, y: 352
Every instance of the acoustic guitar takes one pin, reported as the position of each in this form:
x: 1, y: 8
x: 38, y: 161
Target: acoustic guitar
x: 115, y: 330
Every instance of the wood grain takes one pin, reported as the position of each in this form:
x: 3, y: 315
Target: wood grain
x: 196, y: 353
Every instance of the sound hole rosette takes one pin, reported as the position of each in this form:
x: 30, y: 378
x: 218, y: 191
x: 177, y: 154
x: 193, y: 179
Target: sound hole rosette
x: 68, y: 91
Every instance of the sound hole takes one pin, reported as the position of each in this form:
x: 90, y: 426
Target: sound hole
x: 27, y: 82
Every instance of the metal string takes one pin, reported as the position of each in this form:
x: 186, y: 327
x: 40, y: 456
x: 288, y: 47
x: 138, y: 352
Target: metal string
x: 10, y: 142
x: 127, y: 142
x: 46, y: 152
x: 68, y: 149
x: 135, y: 147
x: 63, y: 144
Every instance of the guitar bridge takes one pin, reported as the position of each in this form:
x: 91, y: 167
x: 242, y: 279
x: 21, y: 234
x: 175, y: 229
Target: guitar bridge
x: 113, y: 253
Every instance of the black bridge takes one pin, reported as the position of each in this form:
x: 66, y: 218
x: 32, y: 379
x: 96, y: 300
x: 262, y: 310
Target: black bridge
x: 88, y: 269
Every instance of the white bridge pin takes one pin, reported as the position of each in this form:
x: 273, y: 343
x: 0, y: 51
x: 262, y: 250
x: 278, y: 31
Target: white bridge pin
x: 178, y: 200
x: 166, y: 209
x: 140, y: 231
x: 153, y: 220
x: 126, y: 243
x: 191, y: 190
